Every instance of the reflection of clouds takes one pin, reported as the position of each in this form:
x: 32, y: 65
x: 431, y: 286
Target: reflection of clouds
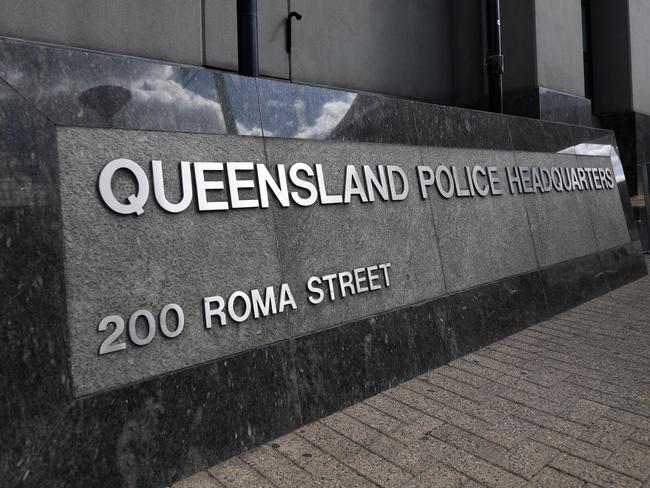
x: 331, y: 115
x: 588, y: 149
x: 618, y: 166
x: 160, y: 86
x: 162, y: 95
x: 251, y: 131
x: 607, y: 150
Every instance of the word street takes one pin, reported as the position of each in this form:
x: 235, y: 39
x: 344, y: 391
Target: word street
x: 239, y: 307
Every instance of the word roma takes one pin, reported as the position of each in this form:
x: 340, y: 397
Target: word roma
x: 389, y: 183
x: 239, y: 306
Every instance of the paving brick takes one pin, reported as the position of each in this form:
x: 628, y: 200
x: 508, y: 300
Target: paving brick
x: 462, y: 389
x: 351, y: 428
x: 449, y: 371
x: 526, y: 346
x: 530, y: 382
x: 632, y: 459
x: 509, y: 431
x: 565, y: 394
x: 472, y: 484
x: 200, y: 480
x: 417, y: 429
x: 469, y: 442
x: 406, y: 457
x: 641, y: 436
x: 549, y: 421
x: 510, y: 351
x: 572, y: 446
x: 493, y: 410
x: 441, y: 395
x: 502, y: 357
x: 527, y: 458
x: 596, y: 384
x: 439, y: 410
x: 377, y: 469
x: 334, y: 474
x: 329, y: 440
x: 373, y: 417
x: 234, y: 473
x: 323, y: 468
x: 474, y: 467
x: 392, y: 407
x: 276, y: 468
x: 300, y: 451
x: 629, y: 418
x: 543, y: 373
x: 545, y: 404
x: 584, y: 412
x: 438, y: 476
x: 551, y: 478
x: 591, y: 472
x: 607, y: 433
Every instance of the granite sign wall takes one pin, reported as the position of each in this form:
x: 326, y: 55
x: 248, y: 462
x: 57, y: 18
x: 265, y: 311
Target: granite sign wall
x: 155, y: 286
x: 196, y: 262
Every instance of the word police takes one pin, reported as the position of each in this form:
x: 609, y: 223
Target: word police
x: 218, y: 186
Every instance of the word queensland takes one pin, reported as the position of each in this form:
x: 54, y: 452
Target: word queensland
x: 218, y: 186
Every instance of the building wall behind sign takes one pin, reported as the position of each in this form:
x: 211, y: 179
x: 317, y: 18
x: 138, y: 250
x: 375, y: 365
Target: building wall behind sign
x: 386, y: 46
x: 169, y: 30
x: 640, y: 54
x: 558, y: 26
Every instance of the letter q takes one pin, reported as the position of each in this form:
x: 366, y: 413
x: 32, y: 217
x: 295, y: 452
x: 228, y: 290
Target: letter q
x: 137, y: 201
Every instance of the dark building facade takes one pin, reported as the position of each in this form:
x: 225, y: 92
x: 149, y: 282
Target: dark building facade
x: 193, y: 262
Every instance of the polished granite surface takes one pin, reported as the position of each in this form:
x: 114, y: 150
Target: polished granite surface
x: 35, y: 384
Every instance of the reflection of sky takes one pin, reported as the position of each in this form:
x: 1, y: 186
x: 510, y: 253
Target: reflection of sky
x: 607, y: 150
x: 299, y: 112
x: 162, y: 95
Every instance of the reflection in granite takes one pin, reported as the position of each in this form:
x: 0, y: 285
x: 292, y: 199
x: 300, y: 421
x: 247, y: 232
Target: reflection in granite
x: 307, y: 112
x: 527, y: 135
x: 564, y: 107
x: 571, y: 283
x: 623, y: 265
x: 486, y: 314
x: 34, y: 369
x: 460, y: 128
x: 340, y: 366
x: 156, y: 432
x: 82, y: 88
x: 604, y: 146
x: 300, y: 111
x: 633, y: 145
x: 549, y: 105
x: 583, y: 137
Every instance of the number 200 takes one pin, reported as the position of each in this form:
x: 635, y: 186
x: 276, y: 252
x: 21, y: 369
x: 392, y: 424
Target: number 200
x: 110, y: 344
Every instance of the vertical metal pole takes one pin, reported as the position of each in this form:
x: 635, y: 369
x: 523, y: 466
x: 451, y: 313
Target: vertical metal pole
x: 247, y: 37
x: 494, y: 59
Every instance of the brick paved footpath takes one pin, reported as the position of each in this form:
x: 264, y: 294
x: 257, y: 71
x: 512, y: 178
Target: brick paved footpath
x: 563, y: 403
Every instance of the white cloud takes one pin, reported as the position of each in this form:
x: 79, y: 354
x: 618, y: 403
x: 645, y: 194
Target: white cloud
x: 330, y: 116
